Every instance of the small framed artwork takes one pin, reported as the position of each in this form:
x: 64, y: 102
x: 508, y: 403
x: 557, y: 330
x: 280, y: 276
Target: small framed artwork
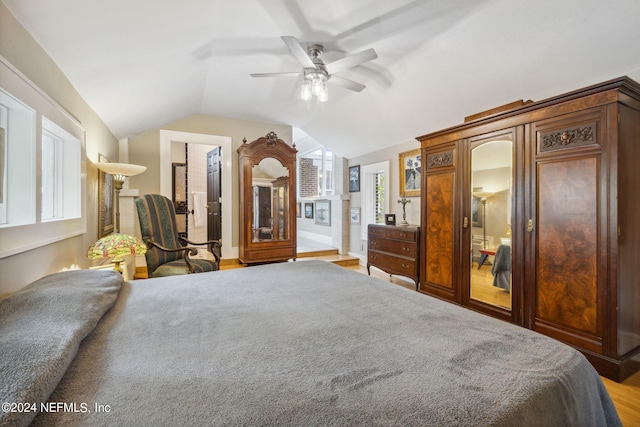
x: 354, y: 179
x: 308, y: 210
x: 105, y: 192
x: 323, y: 212
x: 390, y: 219
x: 410, y: 173
x: 354, y: 214
x: 299, y: 210
x: 476, y: 219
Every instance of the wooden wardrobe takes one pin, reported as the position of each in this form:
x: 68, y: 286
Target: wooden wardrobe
x: 267, y: 200
x: 556, y: 185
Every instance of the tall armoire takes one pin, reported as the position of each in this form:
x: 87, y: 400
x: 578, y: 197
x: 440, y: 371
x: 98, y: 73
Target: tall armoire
x: 267, y: 200
x: 532, y: 215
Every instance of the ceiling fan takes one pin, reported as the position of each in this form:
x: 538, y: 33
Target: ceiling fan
x: 316, y: 73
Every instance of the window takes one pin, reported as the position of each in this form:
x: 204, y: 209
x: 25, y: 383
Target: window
x: 375, y: 190
x: 42, y: 167
x: 378, y: 197
x: 17, y: 162
x: 315, y: 173
x: 60, y: 173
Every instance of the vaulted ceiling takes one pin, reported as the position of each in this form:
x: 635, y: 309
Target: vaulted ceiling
x: 141, y: 64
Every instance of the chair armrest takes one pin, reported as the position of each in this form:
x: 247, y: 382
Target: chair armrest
x: 186, y: 249
x: 214, y: 246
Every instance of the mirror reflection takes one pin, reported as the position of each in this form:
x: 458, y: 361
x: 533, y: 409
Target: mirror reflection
x: 270, y: 183
x: 491, y: 206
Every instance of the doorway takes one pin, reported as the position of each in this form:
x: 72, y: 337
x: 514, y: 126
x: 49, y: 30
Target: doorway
x: 224, y: 148
x: 198, y: 201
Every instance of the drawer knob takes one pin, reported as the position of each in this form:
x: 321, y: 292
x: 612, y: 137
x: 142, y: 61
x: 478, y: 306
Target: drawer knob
x: 405, y: 265
x: 406, y: 249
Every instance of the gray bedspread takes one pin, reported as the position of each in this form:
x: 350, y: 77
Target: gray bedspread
x: 41, y: 328
x: 310, y: 343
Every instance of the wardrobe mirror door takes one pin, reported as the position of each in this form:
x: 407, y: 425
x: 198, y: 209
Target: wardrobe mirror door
x: 491, y: 210
x: 270, y: 189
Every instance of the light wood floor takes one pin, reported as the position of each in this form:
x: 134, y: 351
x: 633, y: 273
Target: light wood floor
x: 625, y: 396
x: 482, y: 288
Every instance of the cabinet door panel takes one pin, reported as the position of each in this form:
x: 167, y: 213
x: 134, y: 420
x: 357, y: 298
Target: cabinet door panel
x: 439, y: 229
x: 567, y: 250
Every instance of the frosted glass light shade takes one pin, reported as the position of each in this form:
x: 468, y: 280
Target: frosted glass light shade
x: 121, y: 169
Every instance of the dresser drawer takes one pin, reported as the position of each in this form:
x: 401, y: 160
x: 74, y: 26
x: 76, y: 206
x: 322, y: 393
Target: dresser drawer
x: 392, y: 263
x: 398, y: 233
x: 397, y: 247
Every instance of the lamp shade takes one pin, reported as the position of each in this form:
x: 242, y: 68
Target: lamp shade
x: 121, y: 169
x: 116, y: 245
x: 483, y: 194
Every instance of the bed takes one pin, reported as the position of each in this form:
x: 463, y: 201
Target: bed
x: 294, y: 343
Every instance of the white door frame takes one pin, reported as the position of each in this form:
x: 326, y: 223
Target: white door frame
x: 226, y: 142
x: 367, y: 173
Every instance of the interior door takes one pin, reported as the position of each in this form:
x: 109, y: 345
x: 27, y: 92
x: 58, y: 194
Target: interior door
x: 214, y: 194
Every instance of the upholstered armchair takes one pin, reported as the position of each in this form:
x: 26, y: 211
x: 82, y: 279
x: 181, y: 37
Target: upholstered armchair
x: 166, y: 255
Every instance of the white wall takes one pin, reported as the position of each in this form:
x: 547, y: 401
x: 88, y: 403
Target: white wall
x: 358, y: 245
x: 25, y: 54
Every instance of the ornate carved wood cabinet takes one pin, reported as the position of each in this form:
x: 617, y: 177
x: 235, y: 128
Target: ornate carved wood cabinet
x: 394, y: 249
x: 568, y: 214
x: 267, y: 200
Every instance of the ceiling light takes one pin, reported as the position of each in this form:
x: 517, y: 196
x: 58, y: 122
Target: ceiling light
x: 314, y: 84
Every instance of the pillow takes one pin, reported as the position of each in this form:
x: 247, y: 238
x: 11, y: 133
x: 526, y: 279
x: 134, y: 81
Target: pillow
x: 41, y: 327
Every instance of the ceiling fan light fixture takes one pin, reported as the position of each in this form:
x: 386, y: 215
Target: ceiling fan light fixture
x: 317, y: 86
x: 316, y: 73
x: 314, y: 85
x: 305, y: 91
x: 324, y: 94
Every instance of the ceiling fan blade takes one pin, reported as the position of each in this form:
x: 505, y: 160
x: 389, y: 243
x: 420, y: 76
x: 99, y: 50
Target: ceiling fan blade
x: 351, y: 61
x: 290, y: 74
x: 298, y: 51
x: 346, y: 83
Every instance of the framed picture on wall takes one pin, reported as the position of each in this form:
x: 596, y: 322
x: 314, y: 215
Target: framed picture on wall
x: 476, y: 219
x: 354, y: 179
x: 354, y: 214
x: 410, y: 173
x: 299, y: 210
x: 323, y: 212
x: 308, y: 210
x: 105, y: 193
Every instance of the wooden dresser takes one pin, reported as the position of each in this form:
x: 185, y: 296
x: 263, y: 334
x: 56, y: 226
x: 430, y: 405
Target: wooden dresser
x: 394, y: 250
